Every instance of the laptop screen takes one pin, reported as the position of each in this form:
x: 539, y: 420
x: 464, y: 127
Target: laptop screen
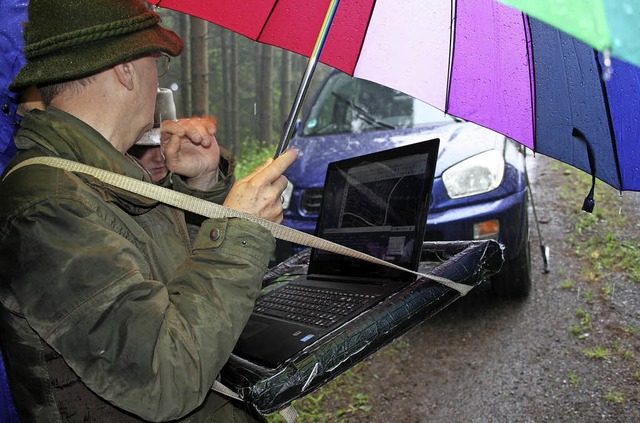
x: 376, y: 204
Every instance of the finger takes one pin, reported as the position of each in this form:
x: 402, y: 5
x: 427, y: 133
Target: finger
x: 280, y: 184
x: 202, y: 129
x: 278, y: 219
x: 171, y: 148
x: 258, y: 169
x: 275, y: 169
x: 197, y: 130
x: 171, y: 127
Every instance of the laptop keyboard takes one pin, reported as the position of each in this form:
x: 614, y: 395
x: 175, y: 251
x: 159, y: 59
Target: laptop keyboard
x: 313, y: 306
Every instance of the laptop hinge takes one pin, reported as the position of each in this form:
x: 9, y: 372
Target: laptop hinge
x: 353, y: 279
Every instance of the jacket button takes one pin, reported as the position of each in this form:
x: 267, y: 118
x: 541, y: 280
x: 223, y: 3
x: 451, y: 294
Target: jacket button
x: 214, y: 234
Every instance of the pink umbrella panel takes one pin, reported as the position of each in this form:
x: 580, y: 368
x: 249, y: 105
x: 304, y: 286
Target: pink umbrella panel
x: 476, y: 59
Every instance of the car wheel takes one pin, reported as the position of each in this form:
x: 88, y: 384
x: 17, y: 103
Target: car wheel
x: 514, y: 279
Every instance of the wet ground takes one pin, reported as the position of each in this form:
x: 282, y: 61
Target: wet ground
x: 490, y: 360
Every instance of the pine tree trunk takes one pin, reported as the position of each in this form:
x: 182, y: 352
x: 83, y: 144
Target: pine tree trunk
x: 285, y: 87
x: 234, y: 98
x: 264, y: 100
x: 184, y: 89
x: 199, y: 67
x: 225, y: 127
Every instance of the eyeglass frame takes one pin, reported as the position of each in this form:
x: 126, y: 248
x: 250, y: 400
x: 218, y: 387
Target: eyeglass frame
x: 163, y: 61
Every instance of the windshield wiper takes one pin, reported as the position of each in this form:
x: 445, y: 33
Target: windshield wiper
x: 366, y: 116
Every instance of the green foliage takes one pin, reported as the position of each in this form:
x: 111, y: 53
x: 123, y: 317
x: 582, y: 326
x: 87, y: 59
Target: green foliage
x: 628, y: 355
x: 607, y: 291
x: 605, y: 243
x: 617, y: 397
x: 342, y: 397
x: 251, y: 157
x: 585, y: 319
x: 608, y: 252
x: 599, y: 353
x: 588, y: 295
x: 573, y: 379
x: 582, y: 330
x: 567, y: 284
x: 396, y: 347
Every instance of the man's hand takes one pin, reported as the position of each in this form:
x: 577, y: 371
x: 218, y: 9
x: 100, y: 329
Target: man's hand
x: 260, y: 192
x: 191, y: 150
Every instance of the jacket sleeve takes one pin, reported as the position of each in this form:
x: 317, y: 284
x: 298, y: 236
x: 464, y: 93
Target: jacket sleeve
x: 219, y: 191
x: 216, y: 194
x: 152, y: 348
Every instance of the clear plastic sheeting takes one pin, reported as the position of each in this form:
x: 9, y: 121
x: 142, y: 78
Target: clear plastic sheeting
x: 272, y: 389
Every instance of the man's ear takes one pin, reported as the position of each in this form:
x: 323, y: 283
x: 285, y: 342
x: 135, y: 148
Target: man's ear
x: 125, y: 74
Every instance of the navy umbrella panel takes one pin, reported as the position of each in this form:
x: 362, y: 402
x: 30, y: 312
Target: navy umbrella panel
x: 572, y: 93
x: 623, y: 95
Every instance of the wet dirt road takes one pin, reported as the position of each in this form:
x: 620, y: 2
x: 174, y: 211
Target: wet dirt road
x: 490, y: 360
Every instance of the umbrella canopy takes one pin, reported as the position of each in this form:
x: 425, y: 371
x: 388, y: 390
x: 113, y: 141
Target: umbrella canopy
x: 606, y: 25
x: 479, y: 60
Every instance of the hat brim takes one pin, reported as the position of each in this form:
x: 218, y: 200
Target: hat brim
x: 150, y: 138
x: 91, y: 58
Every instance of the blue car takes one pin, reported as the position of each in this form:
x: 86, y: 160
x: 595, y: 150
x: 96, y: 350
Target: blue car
x: 480, y: 190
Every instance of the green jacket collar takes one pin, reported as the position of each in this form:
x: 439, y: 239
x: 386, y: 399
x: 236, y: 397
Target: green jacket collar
x: 57, y: 133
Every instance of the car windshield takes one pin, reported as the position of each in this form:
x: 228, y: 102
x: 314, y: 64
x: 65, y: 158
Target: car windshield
x: 351, y: 105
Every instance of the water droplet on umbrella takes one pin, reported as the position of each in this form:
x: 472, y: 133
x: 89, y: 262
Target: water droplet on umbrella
x: 607, y: 72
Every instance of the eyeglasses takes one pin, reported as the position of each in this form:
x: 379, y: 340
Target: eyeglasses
x: 162, y: 62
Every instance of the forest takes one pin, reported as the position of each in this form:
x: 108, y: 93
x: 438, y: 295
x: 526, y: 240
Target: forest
x: 248, y: 86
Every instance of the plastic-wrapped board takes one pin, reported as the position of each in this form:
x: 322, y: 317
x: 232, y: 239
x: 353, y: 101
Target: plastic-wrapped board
x: 271, y: 389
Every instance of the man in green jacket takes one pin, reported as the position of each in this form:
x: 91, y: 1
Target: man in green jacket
x: 109, y: 310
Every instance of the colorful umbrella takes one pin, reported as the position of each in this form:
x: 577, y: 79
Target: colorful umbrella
x: 479, y: 60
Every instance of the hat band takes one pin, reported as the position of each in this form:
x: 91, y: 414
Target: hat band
x: 94, y: 33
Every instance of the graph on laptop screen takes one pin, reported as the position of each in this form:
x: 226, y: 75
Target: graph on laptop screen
x: 377, y: 208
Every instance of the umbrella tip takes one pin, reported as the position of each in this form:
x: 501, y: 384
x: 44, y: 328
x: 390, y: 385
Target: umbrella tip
x: 589, y: 203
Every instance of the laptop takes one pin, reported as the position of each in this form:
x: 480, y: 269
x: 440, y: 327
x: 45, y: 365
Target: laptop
x: 376, y: 204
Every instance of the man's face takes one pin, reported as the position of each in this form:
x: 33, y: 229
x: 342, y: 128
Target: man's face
x: 147, y: 84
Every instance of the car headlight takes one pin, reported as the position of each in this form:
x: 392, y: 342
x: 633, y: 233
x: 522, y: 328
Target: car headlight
x: 475, y: 175
x: 286, y: 195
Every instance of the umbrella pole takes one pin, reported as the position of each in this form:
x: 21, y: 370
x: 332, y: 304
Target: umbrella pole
x: 544, y: 250
x: 306, y: 79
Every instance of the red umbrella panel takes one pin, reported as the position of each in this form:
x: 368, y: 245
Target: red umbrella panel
x: 476, y: 59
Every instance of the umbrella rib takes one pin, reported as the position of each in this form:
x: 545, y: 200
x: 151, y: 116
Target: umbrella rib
x: 451, y: 47
x: 273, y: 8
x: 532, y: 69
x: 612, y: 134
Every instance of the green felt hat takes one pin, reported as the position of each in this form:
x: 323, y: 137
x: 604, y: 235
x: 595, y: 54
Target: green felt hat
x: 72, y: 39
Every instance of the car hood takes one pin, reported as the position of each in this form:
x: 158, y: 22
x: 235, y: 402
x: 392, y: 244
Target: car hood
x: 458, y: 141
